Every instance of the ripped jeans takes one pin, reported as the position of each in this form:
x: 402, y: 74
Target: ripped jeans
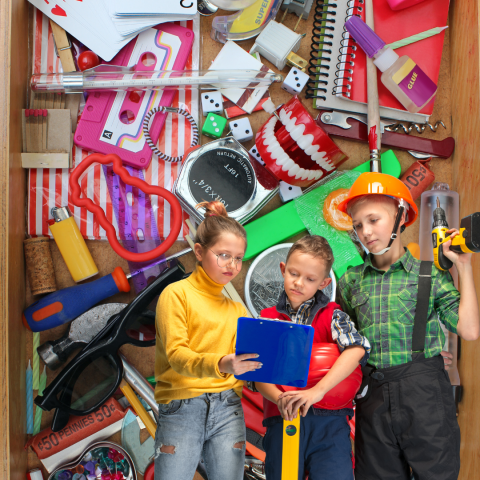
x: 211, y: 427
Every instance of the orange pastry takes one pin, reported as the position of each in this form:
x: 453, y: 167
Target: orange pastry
x: 332, y: 215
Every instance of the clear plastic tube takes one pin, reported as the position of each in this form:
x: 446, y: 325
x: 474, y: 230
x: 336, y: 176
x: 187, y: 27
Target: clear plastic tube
x: 114, y: 78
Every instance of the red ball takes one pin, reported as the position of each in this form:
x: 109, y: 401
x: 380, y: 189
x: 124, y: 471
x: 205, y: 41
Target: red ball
x: 87, y: 59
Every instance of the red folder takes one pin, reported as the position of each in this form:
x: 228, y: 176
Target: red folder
x: 392, y: 26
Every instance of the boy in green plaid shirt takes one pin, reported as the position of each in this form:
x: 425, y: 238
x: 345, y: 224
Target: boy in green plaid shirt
x: 406, y: 418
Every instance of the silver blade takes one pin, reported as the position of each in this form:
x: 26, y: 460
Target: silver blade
x: 87, y: 325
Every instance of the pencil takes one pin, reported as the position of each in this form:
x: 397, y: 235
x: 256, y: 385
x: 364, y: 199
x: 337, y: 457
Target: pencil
x: 416, y: 38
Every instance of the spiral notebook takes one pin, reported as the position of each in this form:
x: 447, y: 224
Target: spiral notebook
x: 339, y: 65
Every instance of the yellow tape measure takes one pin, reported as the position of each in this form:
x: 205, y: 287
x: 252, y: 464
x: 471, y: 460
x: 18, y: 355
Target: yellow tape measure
x: 291, y: 448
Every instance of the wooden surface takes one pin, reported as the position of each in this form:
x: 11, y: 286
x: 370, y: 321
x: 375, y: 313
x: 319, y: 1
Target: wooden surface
x: 13, y: 58
x: 12, y: 180
x: 465, y: 99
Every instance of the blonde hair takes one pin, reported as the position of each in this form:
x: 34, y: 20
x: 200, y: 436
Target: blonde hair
x: 215, y: 223
x: 317, y: 247
x: 375, y: 198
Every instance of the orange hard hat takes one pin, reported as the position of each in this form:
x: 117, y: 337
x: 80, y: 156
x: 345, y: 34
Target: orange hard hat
x: 371, y: 183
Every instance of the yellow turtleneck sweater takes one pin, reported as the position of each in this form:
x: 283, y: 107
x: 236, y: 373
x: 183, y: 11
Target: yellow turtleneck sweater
x: 196, y: 327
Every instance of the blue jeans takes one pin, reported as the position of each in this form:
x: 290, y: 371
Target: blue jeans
x: 325, y: 448
x: 209, y: 426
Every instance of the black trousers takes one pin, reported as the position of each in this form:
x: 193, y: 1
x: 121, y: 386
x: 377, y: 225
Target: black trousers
x: 408, y: 421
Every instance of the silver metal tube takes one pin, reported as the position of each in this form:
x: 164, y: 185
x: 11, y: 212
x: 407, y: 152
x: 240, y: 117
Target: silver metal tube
x: 140, y: 385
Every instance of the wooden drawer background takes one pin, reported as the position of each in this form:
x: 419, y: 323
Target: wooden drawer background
x: 457, y: 105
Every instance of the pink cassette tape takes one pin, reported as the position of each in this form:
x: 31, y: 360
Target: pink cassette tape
x: 112, y: 121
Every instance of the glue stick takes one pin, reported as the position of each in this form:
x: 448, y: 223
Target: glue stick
x: 71, y: 244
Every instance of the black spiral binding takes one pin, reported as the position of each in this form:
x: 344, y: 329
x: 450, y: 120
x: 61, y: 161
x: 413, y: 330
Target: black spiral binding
x: 319, y: 64
x: 317, y: 67
x: 346, y: 54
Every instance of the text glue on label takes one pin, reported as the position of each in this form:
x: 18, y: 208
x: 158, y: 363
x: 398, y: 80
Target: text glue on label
x: 401, y: 75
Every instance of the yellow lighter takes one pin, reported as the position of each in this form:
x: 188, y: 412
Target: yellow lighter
x: 291, y: 448
x: 71, y: 244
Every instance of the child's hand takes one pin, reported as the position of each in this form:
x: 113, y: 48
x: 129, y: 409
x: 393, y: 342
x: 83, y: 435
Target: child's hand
x: 447, y: 359
x: 236, y: 365
x: 296, y: 400
x: 286, y: 412
x: 456, y: 258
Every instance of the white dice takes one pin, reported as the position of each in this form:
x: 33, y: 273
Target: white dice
x: 254, y: 153
x: 241, y: 129
x: 288, y: 192
x: 295, y: 81
x: 212, y: 102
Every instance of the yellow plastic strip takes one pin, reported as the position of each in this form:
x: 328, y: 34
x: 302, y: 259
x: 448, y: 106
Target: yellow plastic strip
x: 291, y: 449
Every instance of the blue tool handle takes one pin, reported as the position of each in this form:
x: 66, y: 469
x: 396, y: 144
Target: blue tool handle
x: 67, y: 304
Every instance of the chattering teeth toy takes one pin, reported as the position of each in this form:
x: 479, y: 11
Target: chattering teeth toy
x: 294, y: 148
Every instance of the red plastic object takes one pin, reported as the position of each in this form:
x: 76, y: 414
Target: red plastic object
x: 324, y: 355
x: 254, y: 398
x: 253, y: 417
x: 359, y: 131
x: 150, y: 472
x: 122, y: 172
x: 285, y: 157
x: 87, y: 59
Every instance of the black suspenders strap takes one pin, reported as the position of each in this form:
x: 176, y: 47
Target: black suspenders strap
x: 420, y: 321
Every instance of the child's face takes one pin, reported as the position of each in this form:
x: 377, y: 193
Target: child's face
x: 303, y: 275
x: 374, y: 222
x: 227, y: 244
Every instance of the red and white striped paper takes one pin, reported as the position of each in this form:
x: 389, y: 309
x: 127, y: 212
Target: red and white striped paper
x: 48, y: 188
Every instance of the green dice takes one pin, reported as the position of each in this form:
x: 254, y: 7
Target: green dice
x: 214, y: 125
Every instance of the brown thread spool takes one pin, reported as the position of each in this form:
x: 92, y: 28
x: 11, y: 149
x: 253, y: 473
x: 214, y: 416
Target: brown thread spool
x: 40, y: 271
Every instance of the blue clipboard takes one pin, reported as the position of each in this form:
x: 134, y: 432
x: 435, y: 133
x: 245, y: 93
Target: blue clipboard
x: 285, y: 349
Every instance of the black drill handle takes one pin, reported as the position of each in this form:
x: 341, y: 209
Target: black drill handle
x: 443, y: 261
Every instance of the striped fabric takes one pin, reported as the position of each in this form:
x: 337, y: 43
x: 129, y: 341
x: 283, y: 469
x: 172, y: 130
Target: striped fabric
x: 48, y: 188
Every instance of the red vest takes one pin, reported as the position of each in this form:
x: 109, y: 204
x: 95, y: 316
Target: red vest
x: 322, y: 323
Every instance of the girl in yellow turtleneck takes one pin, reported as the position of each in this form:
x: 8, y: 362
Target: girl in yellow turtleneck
x: 200, y: 410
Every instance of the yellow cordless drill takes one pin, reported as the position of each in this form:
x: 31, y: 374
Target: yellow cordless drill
x: 468, y: 240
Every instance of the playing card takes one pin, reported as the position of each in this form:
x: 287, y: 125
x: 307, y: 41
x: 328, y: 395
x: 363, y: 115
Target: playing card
x: 131, y: 25
x: 101, y: 38
x: 155, y: 7
x: 234, y: 57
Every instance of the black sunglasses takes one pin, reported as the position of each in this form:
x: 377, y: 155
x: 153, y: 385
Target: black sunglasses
x: 96, y: 372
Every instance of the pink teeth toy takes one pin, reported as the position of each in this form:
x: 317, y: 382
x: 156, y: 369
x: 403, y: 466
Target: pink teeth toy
x: 295, y: 149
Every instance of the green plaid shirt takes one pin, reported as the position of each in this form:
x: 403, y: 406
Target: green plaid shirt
x: 382, y: 306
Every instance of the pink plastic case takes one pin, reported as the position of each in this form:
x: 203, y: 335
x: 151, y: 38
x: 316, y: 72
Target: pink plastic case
x: 401, y: 4
x: 97, y: 108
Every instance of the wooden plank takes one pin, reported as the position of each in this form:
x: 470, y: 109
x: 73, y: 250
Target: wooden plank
x: 465, y: 99
x: 14, y: 60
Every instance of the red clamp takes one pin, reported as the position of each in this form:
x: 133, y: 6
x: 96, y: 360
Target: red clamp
x: 122, y: 172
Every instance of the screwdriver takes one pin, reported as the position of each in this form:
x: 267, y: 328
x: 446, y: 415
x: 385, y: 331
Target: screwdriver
x: 67, y: 304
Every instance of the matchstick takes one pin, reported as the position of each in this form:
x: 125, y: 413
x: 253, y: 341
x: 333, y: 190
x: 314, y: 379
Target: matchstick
x: 44, y: 120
